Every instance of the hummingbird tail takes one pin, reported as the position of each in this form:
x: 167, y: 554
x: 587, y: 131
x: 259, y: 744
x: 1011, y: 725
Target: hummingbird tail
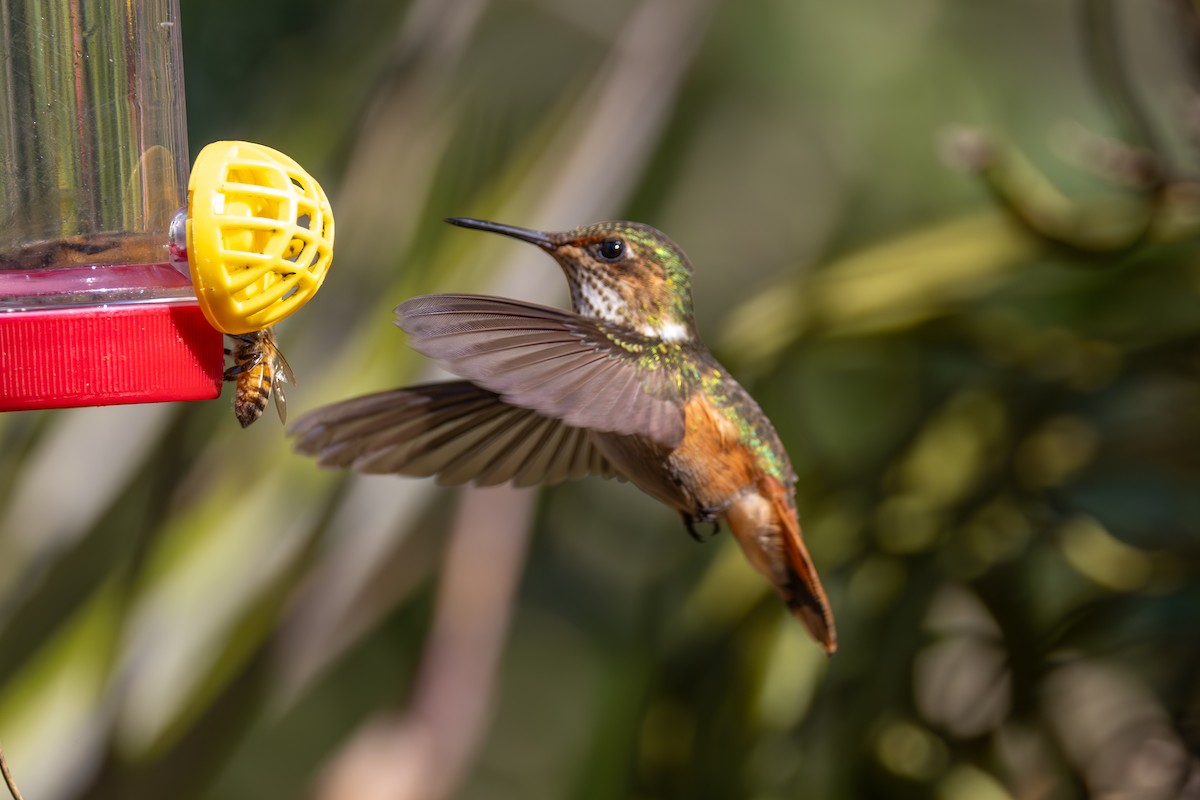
x: 768, y: 530
x: 806, y: 598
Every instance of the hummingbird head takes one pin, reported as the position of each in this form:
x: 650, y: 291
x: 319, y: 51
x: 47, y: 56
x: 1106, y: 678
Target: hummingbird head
x: 626, y: 273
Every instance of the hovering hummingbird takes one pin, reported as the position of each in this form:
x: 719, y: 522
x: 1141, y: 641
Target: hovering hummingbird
x: 621, y: 387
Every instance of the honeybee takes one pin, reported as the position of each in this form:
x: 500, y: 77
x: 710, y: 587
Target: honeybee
x: 259, y: 370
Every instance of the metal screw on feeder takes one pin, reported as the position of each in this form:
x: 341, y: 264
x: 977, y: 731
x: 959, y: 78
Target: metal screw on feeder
x: 95, y: 305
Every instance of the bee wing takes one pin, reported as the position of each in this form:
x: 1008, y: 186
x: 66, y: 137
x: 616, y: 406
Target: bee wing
x: 457, y: 431
x: 283, y: 374
x: 280, y: 401
x: 284, y: 369
x: 554, y: 362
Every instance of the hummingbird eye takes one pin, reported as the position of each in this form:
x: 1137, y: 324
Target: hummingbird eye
x: 611, y: 250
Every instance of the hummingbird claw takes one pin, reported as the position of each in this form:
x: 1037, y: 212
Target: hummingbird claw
x: 705, y: 516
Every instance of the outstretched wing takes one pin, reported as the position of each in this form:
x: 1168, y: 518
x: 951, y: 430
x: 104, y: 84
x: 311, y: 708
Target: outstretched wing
x: 564, y: 366
x: 457, y: 431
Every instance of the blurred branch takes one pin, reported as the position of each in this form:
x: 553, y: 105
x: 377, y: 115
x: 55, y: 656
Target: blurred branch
x: 39, y: 523
x: 430, y: 42
x: 602, y: 142
x: 927, y: 273
x: 1165, y: 206
x: 885, y: 287
x: 424, y: 754
x: 1102, y: 46
x: 8, y: 778
x: 401, y: 132
x: 1100, y: 226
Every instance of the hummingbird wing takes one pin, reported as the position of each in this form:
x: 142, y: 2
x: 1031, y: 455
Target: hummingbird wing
x: 457, y: 431
x: 583, y: 371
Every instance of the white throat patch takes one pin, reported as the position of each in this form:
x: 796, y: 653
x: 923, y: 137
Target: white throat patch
x: 671, y: 332
x: 595, y: 299
x: 599, y: 300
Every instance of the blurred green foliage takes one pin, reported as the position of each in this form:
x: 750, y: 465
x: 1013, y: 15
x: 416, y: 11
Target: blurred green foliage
x: 988, y: 384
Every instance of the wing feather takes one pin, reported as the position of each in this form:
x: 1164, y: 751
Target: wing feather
x: 456, y: 430
x: 575, y: 369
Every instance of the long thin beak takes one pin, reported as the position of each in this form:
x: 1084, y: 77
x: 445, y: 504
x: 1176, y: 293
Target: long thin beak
x: 524, y: 234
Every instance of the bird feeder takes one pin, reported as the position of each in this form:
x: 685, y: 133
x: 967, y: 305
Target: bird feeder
x: 117, y: 277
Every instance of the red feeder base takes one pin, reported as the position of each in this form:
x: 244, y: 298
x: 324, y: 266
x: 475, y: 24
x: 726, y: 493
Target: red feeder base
x: 108, y: 355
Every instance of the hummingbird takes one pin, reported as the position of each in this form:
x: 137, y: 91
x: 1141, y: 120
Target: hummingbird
x: 622, y: 386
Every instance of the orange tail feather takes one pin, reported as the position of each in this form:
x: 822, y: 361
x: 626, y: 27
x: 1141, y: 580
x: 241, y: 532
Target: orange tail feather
x: 768, y: 530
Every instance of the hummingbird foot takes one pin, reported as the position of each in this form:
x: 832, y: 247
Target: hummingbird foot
x: 711, y: 517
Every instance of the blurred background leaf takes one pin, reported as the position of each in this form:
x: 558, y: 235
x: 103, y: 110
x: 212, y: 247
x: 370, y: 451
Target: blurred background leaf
x: 986, y: 376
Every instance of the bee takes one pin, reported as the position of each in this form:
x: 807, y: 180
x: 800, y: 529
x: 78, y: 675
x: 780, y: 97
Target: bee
x: 259, y: 370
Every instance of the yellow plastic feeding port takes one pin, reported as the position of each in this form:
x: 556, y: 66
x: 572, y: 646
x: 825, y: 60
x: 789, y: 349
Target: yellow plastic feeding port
x: 259, y: 235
